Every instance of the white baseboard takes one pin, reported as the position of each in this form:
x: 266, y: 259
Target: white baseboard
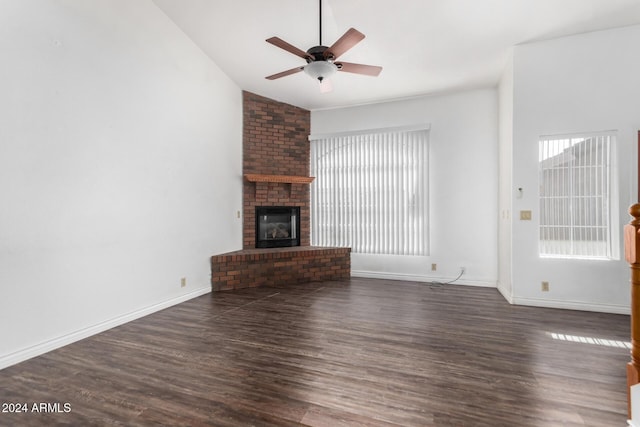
x: 52, y: 344
x: 534, y: 302
x: 573, y: 305
x: 506, y: 293
x: 421, y: 278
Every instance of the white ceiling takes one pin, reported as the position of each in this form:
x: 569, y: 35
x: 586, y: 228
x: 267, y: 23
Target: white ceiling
x: 424, y: 46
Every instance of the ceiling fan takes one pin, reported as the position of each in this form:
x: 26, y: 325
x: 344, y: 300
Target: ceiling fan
x: 322, y: 60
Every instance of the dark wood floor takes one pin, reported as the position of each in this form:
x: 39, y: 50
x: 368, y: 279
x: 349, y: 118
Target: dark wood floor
x: 356, y: 353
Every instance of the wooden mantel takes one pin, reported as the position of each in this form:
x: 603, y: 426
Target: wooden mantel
x: 287, y: 179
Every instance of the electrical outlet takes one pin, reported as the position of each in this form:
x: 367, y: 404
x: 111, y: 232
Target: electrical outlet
x: 545, y: 286
x: 462, y: 270
x: 525, y: 215
x: 183, y: 282
x: 434, y: 267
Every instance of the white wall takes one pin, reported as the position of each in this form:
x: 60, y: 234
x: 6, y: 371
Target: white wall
x: 587, y: 82
x: 120, y: 168
x: 463, y: 150
x: 505, y: 192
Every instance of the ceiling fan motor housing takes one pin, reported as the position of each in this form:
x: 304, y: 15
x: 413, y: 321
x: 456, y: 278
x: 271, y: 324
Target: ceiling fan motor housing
x: 317, y: 54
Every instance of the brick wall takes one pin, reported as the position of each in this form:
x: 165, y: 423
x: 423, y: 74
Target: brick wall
x: 275, y: 142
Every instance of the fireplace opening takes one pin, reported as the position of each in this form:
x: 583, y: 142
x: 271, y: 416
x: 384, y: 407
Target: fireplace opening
x: 277, y: 226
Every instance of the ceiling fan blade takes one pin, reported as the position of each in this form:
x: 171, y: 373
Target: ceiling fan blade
x: 284, y: 73
x: 344, y: 43
x: 368, y: 70
x: 276, y: 41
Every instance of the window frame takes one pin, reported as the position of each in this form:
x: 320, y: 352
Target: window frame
x: 575, y: 198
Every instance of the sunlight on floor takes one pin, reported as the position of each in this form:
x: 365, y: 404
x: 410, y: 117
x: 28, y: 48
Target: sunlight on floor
x: 590, y: 340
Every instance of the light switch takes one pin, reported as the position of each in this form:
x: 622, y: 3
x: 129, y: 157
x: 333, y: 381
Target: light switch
x: 525, y: 215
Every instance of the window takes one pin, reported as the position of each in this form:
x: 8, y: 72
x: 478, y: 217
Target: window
x: 370, y: 191
x: 575, y: 196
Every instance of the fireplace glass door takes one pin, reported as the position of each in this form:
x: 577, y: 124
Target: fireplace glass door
x: 277, y: 226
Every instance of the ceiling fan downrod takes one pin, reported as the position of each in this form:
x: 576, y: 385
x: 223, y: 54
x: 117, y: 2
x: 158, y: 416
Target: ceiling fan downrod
x: 320, y: 23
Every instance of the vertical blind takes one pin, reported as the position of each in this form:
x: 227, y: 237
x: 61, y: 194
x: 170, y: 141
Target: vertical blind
x: 575, y: 189
x: 371, y: 191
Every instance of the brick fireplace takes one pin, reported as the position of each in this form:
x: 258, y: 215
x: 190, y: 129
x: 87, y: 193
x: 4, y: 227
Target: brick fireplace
x: 276, y: 174
x: 275, y: 142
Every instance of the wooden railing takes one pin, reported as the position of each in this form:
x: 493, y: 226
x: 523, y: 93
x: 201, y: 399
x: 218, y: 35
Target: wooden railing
x: 632, y: 255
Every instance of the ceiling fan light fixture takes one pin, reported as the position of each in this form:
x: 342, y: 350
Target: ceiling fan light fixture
x: 320, y: 70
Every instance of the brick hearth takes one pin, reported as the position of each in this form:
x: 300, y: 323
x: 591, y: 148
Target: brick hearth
x: 275, y: 142
x: 270, y: 267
